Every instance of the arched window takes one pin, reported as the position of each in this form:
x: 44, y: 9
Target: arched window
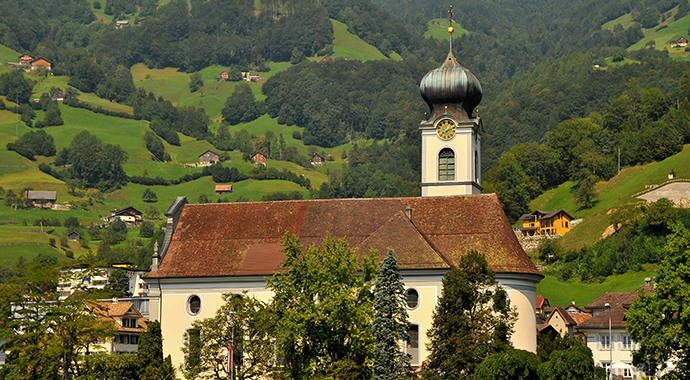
x: 412, y: 298
x: 446, y: 165
x: 412, y: 346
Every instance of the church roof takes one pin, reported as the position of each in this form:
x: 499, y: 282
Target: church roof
x: 234, y: 239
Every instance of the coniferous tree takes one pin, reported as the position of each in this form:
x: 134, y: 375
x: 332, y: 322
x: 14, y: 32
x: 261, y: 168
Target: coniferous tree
x: 390, y: 322
x: 472, y: 320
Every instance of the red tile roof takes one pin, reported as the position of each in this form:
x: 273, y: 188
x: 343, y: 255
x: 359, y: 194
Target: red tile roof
x: 619, y: 301
x: 244, y: 238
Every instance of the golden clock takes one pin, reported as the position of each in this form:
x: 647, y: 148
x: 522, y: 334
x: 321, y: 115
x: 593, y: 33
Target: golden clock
x: 445, y: 129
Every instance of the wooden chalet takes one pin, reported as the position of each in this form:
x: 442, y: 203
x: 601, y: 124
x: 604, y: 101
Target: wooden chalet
x: 41, y: 62
x: 44, y: 199
x: 25, y: 59
x: 73, y: 236
x: 259, y: 159
x: 129, y: 215
x: 681, y: 42
x: 58, y: 96
x: 545, y: 223
x: 317, y: 160
x: 209, y: 157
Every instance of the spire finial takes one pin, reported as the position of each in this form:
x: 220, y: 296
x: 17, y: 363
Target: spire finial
x: 450, y: 27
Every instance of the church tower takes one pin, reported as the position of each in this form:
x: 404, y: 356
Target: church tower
x: 451, y: 137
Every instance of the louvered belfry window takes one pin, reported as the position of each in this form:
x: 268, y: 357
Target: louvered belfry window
x: 446, y: 165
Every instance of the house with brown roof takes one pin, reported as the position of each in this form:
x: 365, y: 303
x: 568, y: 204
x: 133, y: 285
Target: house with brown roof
x: 681, y: 42
x: 43, y: 199
x: 25, y: 59
x: 41, y: 62
x: 129, y: 215
x: 542, y: 303
x: 545, y: 223
x: 208, y: 158
x: 223, y: 189
x: 204, y: 254
x: 317, y: 160
x: 127, y: 321
x: 259, y: 159
x: 614, y: 348
x: 58, y: 96
x: 224, y: 75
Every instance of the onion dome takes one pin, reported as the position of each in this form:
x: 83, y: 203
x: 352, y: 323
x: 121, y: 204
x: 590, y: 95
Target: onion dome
x: 451, y: 89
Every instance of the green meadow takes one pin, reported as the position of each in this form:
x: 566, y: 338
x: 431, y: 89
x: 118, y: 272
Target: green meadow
x: 563, y: 293
x: 8, y: 55
x: 438, y: 29
x: 348, y: 45
x: 614, y: 193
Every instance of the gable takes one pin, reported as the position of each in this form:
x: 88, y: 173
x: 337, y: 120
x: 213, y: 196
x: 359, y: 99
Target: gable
x: 232, y: 239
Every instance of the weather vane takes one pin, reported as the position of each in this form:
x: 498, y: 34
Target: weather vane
x: 450, y: 27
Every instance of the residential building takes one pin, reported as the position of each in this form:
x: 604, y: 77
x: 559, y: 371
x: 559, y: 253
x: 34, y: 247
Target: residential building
x: 41, y: 62
x: 58, y: 96
x: 259, y: 159
x: 78, y: 278
x: 606, y: 333
x: 224, y: 75
x: 317, y: 160
x: 545, y: 223
x: 129, y: 215
x: 121, y: 24
x: 74, y: 236
x: 208, y: 158
x: 43, y: 199
x: 128, y: 322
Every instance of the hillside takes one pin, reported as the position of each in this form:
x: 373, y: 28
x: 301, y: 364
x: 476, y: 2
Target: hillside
x: 612, y: 194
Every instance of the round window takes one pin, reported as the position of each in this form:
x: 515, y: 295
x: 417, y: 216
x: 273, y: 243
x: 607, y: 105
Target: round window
x: 412, y: 298
x: 194, y: 304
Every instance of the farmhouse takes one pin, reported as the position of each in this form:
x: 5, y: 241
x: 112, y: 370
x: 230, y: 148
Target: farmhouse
x: 259, y: 159
x: 211, y: 249
x: 128, y: 214
x: 58, y: 96
x: 41, y: 62
x: 25, y: 59
x: 43, y: 199
x: 681, y: 42
x: 121, y: 24
x: 208, y: 158
x: 317, y: 160
x: 545, y: 223
x: 74, y: 236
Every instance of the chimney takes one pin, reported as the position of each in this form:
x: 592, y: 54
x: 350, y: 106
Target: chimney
x: 114, y: 299
x: 408, y: 212
x: 155, y: 259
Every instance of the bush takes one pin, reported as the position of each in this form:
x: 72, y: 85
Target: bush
x: 96, y: 5
x: 51, y: 241
x: 69, y: 254
x: 146, y: 230
x: 45, y: 168
x: 296, y: 135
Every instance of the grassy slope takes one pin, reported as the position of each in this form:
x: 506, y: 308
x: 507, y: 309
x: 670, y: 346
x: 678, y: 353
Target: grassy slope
x: 8, y: 55
x: 614, y: 193
x: 563, y: 293
x: 438, y: 28
x: 346, y: 44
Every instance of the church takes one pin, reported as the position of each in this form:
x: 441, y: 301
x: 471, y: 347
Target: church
x: 212, y: 249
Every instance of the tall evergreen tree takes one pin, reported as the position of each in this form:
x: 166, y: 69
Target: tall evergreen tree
x: 390, y: 325
x: 150, y: 351
x: 472, y: 320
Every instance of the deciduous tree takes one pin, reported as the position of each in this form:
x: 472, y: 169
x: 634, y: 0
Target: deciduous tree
x: 323, y: 305
x: 660, y: 321
x: 473, y: 313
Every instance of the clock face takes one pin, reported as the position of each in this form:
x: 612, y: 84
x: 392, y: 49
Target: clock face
x: 445, y: 129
